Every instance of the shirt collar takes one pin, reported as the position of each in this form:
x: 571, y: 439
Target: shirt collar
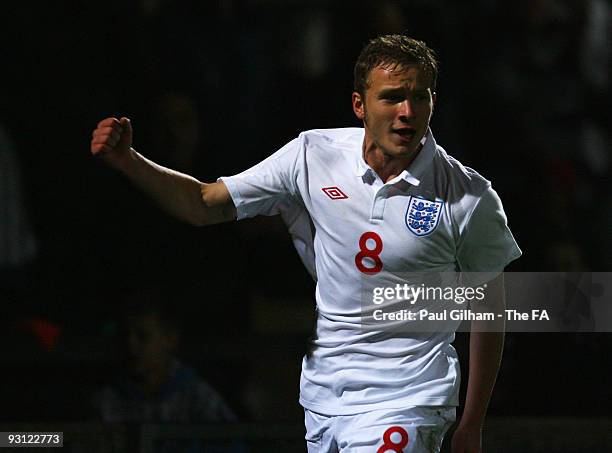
x: 417, y: 168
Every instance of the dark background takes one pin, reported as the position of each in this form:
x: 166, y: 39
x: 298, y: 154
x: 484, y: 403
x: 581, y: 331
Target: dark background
x: 523, y: 97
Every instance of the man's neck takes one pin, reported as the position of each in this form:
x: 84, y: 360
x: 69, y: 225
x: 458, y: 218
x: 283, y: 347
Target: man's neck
x: 386, y: 167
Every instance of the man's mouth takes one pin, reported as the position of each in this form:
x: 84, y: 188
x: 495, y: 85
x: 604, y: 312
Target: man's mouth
x: 406, y: 133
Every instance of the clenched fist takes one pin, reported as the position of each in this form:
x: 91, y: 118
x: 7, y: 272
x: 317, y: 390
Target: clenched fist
x: 112, y: 138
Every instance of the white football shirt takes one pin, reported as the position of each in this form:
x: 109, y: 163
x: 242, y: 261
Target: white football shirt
x: 349, y: 228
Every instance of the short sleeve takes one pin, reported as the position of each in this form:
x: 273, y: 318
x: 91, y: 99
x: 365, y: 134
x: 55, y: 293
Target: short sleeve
x: 261, y: 189
x: 486, y: 244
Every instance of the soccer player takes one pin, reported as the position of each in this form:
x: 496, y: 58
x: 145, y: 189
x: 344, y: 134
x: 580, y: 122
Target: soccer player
x: 365, y: 206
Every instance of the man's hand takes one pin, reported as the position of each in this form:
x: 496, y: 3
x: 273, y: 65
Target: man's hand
x: 466, y: 439
x: 112, y: 139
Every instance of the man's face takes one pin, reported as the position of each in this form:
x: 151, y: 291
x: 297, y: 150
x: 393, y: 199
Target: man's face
x: 149, y: 345
x: 396, y: 109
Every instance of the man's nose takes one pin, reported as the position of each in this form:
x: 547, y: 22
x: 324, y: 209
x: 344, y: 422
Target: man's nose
x: 406, y: 110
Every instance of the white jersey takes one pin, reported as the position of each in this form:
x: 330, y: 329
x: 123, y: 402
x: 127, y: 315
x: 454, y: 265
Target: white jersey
x: 358, y: 228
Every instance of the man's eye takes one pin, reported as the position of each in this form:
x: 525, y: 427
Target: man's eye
x: 394, y: 99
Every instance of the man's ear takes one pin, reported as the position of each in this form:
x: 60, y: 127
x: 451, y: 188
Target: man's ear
x: 358, y: 106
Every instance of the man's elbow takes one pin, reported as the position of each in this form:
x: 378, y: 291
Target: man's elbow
x: 196, y: 221
x: 212, y: 207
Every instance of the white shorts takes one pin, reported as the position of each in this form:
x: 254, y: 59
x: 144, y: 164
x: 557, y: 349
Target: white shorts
x: 411, y: 430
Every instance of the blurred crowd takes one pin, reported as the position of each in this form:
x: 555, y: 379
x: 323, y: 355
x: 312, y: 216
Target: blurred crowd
x: 213, y: 88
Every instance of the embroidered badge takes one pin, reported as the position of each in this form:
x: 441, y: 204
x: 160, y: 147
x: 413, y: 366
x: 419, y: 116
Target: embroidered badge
x: 423, y: 215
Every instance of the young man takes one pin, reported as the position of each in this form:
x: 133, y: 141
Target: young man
x: 382, y: 201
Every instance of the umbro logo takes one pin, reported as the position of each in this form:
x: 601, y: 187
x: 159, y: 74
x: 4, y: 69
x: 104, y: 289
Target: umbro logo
x: 334, y: 193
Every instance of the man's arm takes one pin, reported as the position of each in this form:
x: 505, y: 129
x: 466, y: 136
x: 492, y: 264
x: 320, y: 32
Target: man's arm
x: 486, y: 346
x: 181, y: 195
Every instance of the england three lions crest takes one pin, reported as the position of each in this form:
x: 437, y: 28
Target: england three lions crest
x: 423, y: 215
